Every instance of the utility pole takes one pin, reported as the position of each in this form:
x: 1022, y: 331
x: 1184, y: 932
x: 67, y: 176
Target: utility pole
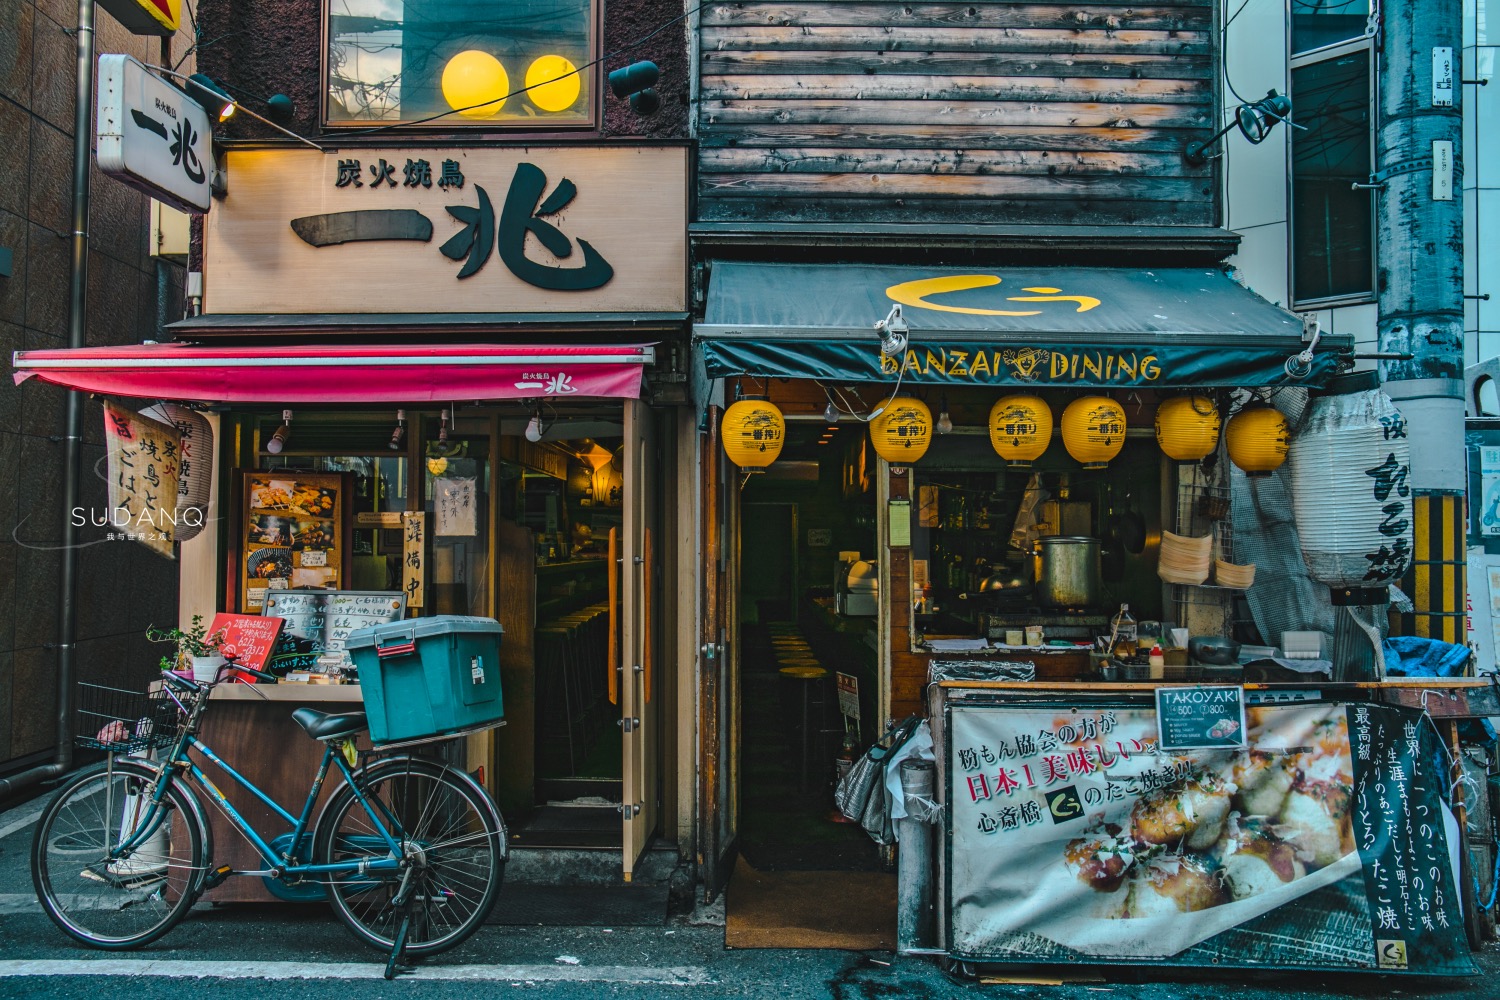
x: 1419, y: 227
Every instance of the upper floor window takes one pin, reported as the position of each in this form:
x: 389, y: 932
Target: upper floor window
x: 1333, y: 223
x: 1317, y: 24
x: 492, y: 63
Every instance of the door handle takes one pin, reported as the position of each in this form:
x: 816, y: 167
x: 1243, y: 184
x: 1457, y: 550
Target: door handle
x: 629, y: 725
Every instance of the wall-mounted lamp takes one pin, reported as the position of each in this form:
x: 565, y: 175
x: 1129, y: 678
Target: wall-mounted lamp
x: 443, y: 427
x: 534, y: 427
x: 893, y: 333
x: 1255, y: 122
x: 400, y: 430
x: 283, y: 434
x: 214, y: 98
x: 217, y: 100
x: 635, y: 82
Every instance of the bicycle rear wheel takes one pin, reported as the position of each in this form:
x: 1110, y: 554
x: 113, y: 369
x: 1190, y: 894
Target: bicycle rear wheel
x: 130, y: 900
x: 451, y: 835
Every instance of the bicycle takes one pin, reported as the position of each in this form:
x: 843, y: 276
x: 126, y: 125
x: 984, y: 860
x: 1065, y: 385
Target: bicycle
x: 411, y: 851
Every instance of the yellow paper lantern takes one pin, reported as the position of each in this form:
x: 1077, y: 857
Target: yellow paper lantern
x: 471, y: 77
x: 902, y: 431
x: 1187, y: 427
x: 753, y: 433
x: 1257, y: 438
x: 1020, y: 429
x: 1093, y: 430
x: 552, y: 82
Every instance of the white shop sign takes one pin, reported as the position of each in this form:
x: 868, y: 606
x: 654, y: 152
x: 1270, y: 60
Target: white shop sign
x: 153, y: 136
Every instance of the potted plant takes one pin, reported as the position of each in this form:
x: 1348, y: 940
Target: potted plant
x: 198, y: 652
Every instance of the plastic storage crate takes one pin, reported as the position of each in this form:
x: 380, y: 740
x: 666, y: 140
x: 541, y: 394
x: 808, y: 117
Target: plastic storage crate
x: 428, y: 676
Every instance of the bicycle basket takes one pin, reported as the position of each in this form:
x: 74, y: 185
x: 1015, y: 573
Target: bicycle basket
x: 123, y: 721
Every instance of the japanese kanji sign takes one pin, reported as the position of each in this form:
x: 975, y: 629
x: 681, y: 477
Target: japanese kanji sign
x: 452, y: 230
x: 456, y: 509
x: 152, y: 136
x: 413, y: 556
x: 1325, y: 842
x: 143, y: 470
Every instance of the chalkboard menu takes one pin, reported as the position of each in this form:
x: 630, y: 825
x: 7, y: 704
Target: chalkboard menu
x: 1200, y: 718
x: 319, y: 621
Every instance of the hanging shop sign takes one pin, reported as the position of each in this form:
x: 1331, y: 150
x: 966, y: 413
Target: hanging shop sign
x: 1020, y: 429
x: 902, y: 432
x: 451, y: 230
x: 753, y: 433
x: 1093, y: 430
x: 1327, y: 842
x: 152, y: 136
x: 146, y: 17
x: 143, y: 459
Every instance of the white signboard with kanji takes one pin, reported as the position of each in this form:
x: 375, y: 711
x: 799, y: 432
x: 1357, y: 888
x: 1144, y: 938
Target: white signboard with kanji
x: 153, y: 136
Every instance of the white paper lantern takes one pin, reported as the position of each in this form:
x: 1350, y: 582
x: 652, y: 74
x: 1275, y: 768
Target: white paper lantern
x: 1350, y: 466
x: 196, y: 466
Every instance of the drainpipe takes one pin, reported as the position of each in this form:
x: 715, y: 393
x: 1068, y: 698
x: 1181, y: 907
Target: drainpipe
x: 1420, y: 294
x: 67, y: 614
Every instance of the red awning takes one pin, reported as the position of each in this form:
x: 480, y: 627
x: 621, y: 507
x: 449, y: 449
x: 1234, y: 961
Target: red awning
x: 344, y: 373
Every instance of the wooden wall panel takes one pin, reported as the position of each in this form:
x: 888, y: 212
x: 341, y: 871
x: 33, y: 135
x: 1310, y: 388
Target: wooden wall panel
x: 1044, y: 113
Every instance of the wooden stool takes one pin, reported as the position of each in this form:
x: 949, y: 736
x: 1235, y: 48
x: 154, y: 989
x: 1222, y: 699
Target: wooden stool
x: 809, y: 677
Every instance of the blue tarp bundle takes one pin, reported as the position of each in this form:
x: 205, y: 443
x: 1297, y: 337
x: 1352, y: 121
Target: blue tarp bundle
x: 1414, y: 656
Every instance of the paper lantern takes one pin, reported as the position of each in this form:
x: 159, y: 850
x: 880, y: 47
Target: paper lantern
x: 753, y: 433
x: 1093, y: 430
x: 902, y: 431
x: 1187, y: 427
x: 1020, y: 429
x: 195, y: 468
x: 1257, y: 439
x: 1351, y: 494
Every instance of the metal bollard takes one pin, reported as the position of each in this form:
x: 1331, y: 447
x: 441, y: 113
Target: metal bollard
x: 915, y: 906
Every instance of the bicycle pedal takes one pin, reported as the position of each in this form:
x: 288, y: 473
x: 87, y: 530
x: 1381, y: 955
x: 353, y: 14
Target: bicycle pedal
x: 216, y: 878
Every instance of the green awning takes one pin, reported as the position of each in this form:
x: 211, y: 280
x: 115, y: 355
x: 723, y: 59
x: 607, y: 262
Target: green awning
x: 1062, y: 326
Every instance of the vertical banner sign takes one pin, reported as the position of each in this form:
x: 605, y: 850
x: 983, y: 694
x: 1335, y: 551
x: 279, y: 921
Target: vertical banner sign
x: 1323, y: 843
x: 456, y: 510
x: 414, y: 548
x: 143, y: 471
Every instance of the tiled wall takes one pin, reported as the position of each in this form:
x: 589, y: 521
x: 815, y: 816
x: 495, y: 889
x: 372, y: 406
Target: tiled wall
x: 122, y: 587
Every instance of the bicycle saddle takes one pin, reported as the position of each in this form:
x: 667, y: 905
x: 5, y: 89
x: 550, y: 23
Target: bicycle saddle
x: 327, y: 725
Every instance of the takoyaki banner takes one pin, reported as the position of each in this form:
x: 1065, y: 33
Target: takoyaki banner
x: 1325, y: 843
x: 1033, y: 326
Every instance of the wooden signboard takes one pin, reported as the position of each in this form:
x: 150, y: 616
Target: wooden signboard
x: 143, y: 471
x: 250, y: 639
x: 295, y: 534
x: 319, y: 622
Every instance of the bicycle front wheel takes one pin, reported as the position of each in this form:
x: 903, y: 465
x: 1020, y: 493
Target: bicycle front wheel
x: 107, y: 901
x: 451, y: 839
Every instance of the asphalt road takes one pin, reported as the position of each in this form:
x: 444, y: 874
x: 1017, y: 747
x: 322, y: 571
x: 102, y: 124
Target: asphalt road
x: 271, y: 952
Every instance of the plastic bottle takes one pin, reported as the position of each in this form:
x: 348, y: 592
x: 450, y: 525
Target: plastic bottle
x: 1158, y: 661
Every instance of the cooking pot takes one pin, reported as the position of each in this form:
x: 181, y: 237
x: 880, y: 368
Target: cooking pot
x: 1068, y: 571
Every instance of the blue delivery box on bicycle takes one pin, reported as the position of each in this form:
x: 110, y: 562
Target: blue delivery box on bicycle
x: 428, y: 676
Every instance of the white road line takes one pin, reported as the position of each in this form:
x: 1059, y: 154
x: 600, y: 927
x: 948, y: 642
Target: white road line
x: 626, y: 974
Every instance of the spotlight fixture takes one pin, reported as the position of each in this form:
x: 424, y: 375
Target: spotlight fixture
x: 893, y: 333
x: 214, y: 98
x: 1255, y: 122
x: 282, y: 435
x: 443, y: 428
x: 534, y: 427
x: 944, y: 421
x: 400, y: 430
x: 635, y: 82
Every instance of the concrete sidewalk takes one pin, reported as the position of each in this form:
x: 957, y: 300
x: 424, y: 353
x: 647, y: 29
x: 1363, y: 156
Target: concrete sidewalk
x: 569, y: 948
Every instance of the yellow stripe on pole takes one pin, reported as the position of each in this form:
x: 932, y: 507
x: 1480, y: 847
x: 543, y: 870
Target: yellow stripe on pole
x: 1438, y: 571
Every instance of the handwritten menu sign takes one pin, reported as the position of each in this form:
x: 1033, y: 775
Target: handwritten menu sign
x: 144, y: 456
x: 455, y: 502
x: 414, y: 551
x: 292, y: 534
x: 319, y: 622
x: 250, y: 639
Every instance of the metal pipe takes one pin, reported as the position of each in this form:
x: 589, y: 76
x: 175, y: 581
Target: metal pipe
x: 915, y: 907
x: 67, y: 613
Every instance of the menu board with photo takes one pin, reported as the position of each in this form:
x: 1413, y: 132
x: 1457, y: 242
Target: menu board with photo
x: 294, y: 534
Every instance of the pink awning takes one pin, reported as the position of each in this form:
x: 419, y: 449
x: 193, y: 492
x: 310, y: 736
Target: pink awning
x: 344, y: 373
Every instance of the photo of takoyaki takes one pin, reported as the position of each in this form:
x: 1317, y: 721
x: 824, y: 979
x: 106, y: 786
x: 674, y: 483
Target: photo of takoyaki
x: 1315, y: 820
x: 1252, y: 862
x: 267, y: 529
x: 1102, y: 858
x: 1185, y: 817
x: 1173, y: 884
x: 1262, y: 781
x: 312, y: 535
x: 269, y: 564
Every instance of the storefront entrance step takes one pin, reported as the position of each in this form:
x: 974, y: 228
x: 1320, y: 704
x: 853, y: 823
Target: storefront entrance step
x: 617, y: 905
x: 551, y: 867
